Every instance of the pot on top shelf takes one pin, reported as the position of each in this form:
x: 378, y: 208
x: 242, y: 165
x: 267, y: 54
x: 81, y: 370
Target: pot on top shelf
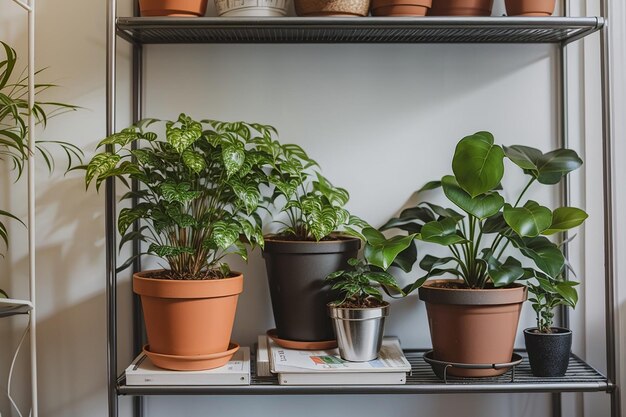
x: 548, y: 353
x: 530, y: 7
x: 461, y: 8
x: 345, y: 8
x: 180, y: 8
x: 251, y: 8
x: 400, y: 7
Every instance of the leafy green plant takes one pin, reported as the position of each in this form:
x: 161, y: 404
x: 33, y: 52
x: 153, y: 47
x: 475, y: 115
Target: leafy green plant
x: 14, y: 112
x: 487, y: 224
x: 548, y: 293
x: 200, y: 190
x: 313, y: 207
x: 360, y: 286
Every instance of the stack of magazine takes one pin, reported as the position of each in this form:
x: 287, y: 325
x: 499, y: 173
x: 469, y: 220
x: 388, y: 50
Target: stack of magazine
x: 235, y: 372
x: 325, y: 367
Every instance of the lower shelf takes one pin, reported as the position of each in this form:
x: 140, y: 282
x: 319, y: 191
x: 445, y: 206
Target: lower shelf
x: 580, y: 377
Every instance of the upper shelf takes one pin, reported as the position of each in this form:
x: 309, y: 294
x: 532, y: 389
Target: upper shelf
x: 160, y: 30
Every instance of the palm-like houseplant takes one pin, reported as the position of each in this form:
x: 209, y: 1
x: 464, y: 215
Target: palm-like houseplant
x: 14, y: 112
x: 317, y: 237
x: 199, y: 199
x: 477, y: 238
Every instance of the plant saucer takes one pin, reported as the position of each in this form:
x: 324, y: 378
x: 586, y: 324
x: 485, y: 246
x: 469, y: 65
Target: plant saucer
x: 301, y: 345
x: 191, y: 363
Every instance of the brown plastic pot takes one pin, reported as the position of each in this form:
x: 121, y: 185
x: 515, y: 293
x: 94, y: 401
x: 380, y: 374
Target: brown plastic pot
x: 295, y: 273
x: 357, y: 8
x: 461, y: 8
x: 400, y: 7
x: 473, y: 326
x: 188, y: 318
x: 189, y: 8
x: 529, y: 7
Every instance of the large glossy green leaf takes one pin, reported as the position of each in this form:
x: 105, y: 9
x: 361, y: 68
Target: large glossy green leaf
x: 565, y: 218
x: 478, y: 163
x: 442, y: 232
x: 429, y: 262
x: 407, y: 258
x: 431, y: 185
x: 546, y: 255
x: 567, y: 291
x: 380, y: 251
x: 482, y: 206
x: 547, y: 168
x: 495, y: 224
x: 529, y: 220
x: 410, y: 220
x: 504, y: 274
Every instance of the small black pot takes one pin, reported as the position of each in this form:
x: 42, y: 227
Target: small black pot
x: 296, y: 272
x: 548, y: 353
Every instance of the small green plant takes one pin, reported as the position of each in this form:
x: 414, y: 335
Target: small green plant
x: 14, y: 112
x: 360, y: 285
x: 478, y: 236
x: 547, y: 294
x: 313, y: 207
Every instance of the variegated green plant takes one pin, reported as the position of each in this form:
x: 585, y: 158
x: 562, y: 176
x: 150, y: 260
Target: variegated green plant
x: 199, y: 193
x: 313, y: 207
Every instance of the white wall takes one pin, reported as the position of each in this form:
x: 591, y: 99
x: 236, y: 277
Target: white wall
x: 380, y: 119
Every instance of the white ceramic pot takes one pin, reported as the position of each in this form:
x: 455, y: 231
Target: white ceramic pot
x: 251, y: 8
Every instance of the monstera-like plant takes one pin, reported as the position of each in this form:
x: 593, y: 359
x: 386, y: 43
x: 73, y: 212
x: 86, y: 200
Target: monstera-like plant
x: 478, y: 232
x: 198, y: 201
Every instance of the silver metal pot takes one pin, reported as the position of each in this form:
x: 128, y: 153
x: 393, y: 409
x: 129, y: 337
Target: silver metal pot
x: 359, y: 331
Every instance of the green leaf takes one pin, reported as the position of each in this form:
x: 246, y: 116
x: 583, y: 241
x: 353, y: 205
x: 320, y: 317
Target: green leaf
x: 407, y: 258
x: 128, y: 216
x: 165, y: 251
x: 194, y: 160
x: 99, y: 165
x: 546, y: 255
x: 478, y: 163
x: 441, y: 232
x: 410, y: 220
x: 565, y: 218
x: 224, y: 234
x: 506, y: 273
x: 431, y: 185
x: 120, y: 138
x: 482, y: 206
x: 495, y: 224
x: 429, y: 262
x: 547, y: 168
x: 178, y: 192
x: 530, y: 220
x: 380, y: 251
x: 233, y: 157
x: 183, y: 137
x: 249, y: 194
x: 182, y: 219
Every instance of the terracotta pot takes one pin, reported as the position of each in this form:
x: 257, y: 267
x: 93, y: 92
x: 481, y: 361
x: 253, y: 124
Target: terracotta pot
x: 461, y: 8
x: 530, y: 7
x: 548, y: 353
x: 400, y: 7
x: 473, y: 326
x: 182, y: 8
x: 295, y: 273
x: 188, y: 318
x: 332, y: 7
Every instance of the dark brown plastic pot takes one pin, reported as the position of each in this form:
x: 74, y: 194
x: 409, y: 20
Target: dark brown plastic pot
x: 296, y: 272
x: 530, y: 7
x: 473, y: 326
x: 461, y: 8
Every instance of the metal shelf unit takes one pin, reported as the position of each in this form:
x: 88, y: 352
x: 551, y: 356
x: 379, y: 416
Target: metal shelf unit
x: 558, y: 31
x: 580, y: 377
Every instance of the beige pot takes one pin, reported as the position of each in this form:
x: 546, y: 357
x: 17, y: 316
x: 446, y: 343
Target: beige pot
x: 461, y: 8
x: 188, y: 322
x: 529, y: 7
x: 332, y: 7
x: 473, y: 326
